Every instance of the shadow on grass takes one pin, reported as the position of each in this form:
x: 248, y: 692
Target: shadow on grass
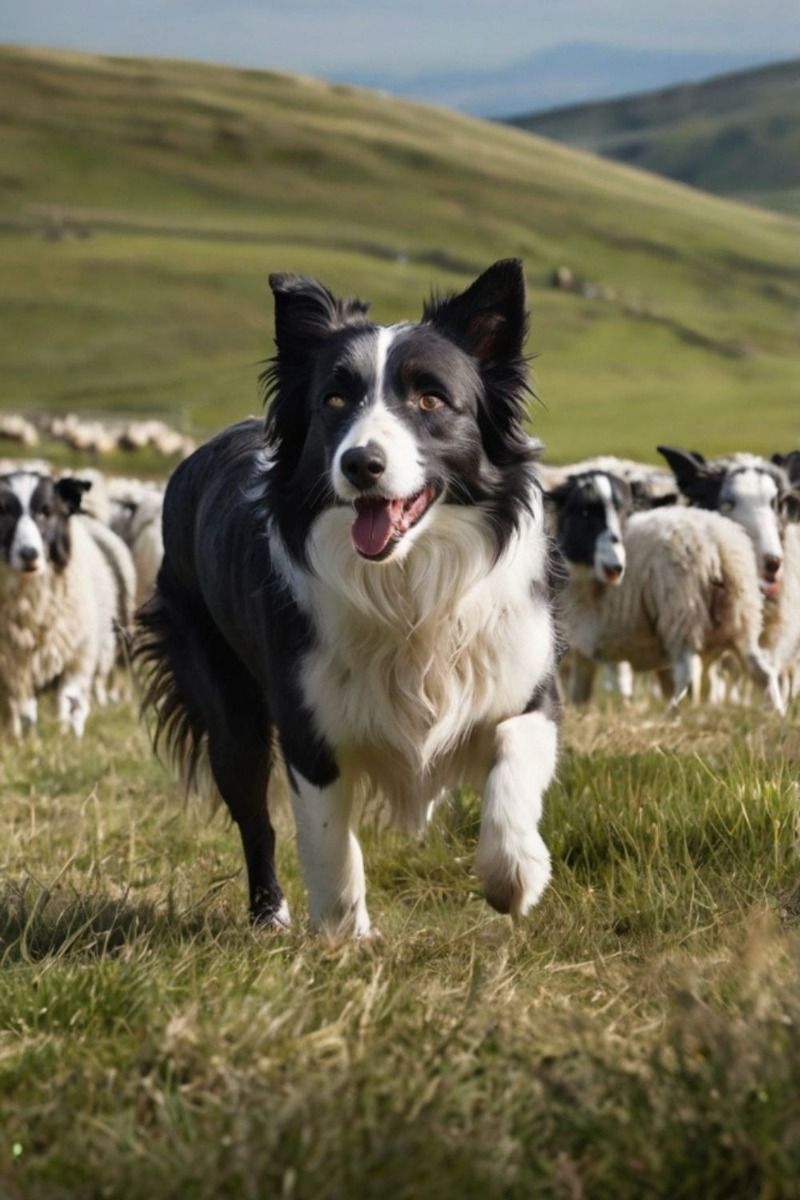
x: 37, y: 922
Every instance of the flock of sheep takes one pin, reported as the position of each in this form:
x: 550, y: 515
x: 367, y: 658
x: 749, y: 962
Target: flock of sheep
x: 690, y: 574
x: 82, y: 551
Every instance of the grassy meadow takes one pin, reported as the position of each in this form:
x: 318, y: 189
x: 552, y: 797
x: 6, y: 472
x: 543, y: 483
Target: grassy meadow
x: 636, y: 1036
x: 143, y: 203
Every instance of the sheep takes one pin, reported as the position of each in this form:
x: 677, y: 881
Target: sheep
x: 649, y: 484
x: 664, y: 590
x: 762, y: 497
x: 57, y: 602
x: 136, y: 518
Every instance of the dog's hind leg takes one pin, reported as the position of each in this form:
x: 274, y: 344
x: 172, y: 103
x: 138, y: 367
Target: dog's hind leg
x: 333, y: 864
x: 204, y: 697
x: 240, y: 765
x: 512, y: 861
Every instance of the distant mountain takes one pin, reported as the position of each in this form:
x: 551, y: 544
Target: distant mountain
x: 560, y: 75
x: 736, y: 134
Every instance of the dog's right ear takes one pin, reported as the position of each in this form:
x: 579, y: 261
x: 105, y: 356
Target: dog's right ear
x: 700, y: 483
x: 306, y: 312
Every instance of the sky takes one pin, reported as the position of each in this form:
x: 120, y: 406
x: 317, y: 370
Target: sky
x: 398, y: 38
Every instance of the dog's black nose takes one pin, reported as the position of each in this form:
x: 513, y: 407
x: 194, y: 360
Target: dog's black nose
x: 363, y: 465
x: 772, y: 564
x: 28, y: 554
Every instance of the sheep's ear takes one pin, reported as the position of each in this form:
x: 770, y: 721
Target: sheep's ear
x: 790, y: 463
x: 71, y: 491
x: 489, y: 319
x: 790, y: 505
x: 557, y: 496
x: 643, y: 501
x: 699, y: 482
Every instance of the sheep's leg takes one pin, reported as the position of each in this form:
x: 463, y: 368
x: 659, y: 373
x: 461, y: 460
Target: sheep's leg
x: 765, y: 674
x: 684, y: 675
x: 581, y: 679
x: 73, y: 703
x: 29, y: 713
x: 333, y: 864
x: 512, y: 861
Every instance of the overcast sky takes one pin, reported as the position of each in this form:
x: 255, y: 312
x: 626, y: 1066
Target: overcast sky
x: 398, y: 37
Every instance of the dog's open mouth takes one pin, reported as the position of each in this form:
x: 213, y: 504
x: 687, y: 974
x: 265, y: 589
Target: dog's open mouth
x: 771, y: 588
x: 613, y: 574
x: 380, y: 523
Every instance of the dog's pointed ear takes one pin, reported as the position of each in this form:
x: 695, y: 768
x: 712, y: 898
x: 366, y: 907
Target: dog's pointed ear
x: 699, y: 482
x: 489, y: 319
x: 71, y: 491
x: 790, y: 463
x: 306, y: 312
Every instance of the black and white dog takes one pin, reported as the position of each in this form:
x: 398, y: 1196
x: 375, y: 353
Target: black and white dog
x: 362, y: 584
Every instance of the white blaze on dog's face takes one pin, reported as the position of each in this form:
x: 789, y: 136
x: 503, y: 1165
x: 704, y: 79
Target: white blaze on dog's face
x: 402, y: 419
x: 592, y: 509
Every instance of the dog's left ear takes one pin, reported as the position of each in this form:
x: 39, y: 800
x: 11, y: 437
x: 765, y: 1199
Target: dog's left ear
x: 489, y: 319
x: 71, y: 491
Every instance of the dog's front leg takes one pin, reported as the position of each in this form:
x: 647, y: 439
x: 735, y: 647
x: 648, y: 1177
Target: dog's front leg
x: 331, y: 858
x: 513, y: 862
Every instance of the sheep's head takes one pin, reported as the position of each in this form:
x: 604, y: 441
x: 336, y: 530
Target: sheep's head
x: 35, y: 511
x: 757, y: 493
x: 591, y: 511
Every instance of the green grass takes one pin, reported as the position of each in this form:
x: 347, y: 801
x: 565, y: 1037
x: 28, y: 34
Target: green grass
x: 735, y: 134
x: 177, y: 187
x: 636, y: 1036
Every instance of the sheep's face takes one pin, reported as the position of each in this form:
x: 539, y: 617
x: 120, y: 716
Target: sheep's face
x: 591, y: 514
x: 34, y: 521
x: 759, y: 495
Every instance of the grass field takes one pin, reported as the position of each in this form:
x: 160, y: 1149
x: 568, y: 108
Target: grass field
x: 143, y: 202
x: 637, y: 1036
x: 736, y: 134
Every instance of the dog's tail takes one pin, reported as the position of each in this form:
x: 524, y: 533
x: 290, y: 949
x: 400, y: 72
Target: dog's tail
x: 170, y: 662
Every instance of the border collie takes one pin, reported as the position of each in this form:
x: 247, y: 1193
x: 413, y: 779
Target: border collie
x: 361, y: 585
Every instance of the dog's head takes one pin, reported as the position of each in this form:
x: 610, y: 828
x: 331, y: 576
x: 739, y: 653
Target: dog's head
x: 34, y: 520
x: 760, y: 495
x: 591, y: 511
x: 396, y: 421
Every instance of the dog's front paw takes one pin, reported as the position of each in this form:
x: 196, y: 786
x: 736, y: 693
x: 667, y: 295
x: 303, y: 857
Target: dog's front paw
x: 514, y: 883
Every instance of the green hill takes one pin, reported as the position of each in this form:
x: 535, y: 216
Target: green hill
x: 143, y: 202
x: 737, y: 134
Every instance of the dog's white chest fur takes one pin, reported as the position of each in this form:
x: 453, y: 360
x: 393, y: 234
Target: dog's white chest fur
x: 418, y: 658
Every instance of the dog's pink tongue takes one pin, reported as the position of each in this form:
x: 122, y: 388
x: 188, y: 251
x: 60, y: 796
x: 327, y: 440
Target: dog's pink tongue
x: 373, y: 527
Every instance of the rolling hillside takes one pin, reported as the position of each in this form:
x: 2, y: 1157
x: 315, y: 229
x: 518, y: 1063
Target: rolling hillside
x: 143, y: 202
x: 737, y: 134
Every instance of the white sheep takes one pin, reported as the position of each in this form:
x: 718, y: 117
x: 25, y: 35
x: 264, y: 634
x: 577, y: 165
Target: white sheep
x: 665, y: 590
x: 761, y: 496
x: 57, y: 601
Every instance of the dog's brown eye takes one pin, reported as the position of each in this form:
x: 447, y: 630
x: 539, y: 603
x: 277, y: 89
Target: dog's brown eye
x: 429, y: 403
x: 335, y: 401
x: 46, y: 510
